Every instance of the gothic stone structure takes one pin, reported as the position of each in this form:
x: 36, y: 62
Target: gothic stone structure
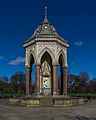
x: 46, y: 49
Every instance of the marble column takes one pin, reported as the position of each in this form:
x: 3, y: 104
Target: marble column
x: 64, y: 80
x: 27, y: 80
x: 37, y: 79
x: 30, y: 81
x: 61, y: 82
x: 55, y: 79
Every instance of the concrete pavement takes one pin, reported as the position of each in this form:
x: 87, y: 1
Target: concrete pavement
x: 81, y: 112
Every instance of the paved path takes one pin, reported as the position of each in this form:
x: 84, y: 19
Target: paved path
x: 81, y: 112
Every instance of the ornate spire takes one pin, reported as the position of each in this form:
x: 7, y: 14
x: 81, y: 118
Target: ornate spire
x: 45, y: 12
x: 45, y: 19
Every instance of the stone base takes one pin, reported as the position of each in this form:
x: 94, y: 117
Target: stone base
x: 47, y: 101
x: 65, y: 94
x: 28, y: 95
x: 15, y: 101
x: 55, y: 94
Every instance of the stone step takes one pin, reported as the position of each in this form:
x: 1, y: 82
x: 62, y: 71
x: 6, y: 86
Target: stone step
x: 46, y: 102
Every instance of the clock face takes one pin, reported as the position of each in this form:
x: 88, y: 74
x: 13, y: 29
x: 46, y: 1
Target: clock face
x: 46, y: 83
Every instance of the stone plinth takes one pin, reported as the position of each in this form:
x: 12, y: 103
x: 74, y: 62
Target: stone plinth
x: 47, y: 101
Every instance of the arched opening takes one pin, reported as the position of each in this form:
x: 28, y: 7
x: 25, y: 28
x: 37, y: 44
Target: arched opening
x: 46, y: 81
x: 46, y: 50
x: 60, y: 73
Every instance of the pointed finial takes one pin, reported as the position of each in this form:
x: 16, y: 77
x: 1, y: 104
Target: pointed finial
x: 46, y: 12
x: 45, y: 19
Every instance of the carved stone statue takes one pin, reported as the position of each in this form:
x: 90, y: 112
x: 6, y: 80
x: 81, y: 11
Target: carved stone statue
x: 46, y: 70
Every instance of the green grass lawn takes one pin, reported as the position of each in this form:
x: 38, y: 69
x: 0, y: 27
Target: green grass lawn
x: 93, y: 95
x: 6, y: 95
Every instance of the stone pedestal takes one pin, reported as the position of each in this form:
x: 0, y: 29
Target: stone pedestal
x: 64, y: 80
x: 37, y: 79
x: 55, y: 79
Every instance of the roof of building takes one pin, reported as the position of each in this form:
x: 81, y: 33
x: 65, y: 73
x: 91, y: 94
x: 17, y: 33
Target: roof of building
x: 45, y: 30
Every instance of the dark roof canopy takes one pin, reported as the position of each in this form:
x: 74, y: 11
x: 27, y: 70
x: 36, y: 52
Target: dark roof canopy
x: 45, y: 30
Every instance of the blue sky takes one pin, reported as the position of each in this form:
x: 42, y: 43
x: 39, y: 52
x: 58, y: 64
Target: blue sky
x: 75, y: 20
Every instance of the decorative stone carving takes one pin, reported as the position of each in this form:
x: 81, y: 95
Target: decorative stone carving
x: 46, y: 70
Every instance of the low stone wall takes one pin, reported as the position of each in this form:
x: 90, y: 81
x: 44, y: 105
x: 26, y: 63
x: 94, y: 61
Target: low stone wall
x: 47, y: 101
x: 80, y: 101
x: 62, y: 102
x: 15, y: 101
x: 68, y: 101
x: 31, y: 102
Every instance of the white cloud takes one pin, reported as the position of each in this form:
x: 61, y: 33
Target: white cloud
x: 17, y: 61
x: 1, y: 57
x: 78, y: 43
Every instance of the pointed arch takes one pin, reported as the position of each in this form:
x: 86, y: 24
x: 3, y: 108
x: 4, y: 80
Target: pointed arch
x: 49, y: 52
x: 31, y: 56
x: 61, y: 53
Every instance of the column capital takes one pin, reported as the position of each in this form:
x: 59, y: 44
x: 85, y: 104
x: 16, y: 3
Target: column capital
x: 27, y: 67
x: 65, y: 67
x: 55, y: 64
x: 37, y: 64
